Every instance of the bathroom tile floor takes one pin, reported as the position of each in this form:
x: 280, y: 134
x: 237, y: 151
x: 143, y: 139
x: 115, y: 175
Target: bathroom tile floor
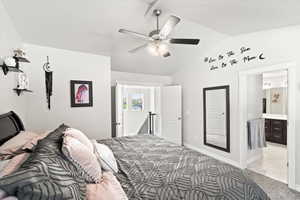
x: 273, y: 164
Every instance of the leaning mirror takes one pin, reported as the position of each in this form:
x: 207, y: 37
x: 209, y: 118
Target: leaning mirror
x: 217, y: 117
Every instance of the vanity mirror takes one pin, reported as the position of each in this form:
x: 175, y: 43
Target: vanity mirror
x: 275, y: 93
x: 217, y: 117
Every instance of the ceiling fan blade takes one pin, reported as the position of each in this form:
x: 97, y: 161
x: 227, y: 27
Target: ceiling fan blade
x: 135, y: 34
x: 167, y: 54
x: 138, y: 48
x: 184, y: 41
x: 151, y: 6
x: 169, y: 26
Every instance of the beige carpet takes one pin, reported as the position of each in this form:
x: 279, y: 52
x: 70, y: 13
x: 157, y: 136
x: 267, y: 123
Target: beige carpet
x: 275, y: 189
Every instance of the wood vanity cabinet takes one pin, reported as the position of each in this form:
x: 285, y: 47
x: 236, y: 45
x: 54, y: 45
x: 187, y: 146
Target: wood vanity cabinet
x: 276, y: 131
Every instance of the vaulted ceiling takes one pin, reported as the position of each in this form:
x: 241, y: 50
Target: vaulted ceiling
x: 92, y: 26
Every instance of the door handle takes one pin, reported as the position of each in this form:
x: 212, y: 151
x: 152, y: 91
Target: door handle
x: 179, y: 118
x: 116, y: 123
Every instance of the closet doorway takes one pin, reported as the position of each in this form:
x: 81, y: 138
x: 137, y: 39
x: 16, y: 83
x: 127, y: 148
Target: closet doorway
x: 267, y: 121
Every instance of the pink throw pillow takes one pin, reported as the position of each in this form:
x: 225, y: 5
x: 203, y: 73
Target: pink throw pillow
x: 72, y: 132
x: 108, y: 189
x: 83, y: 158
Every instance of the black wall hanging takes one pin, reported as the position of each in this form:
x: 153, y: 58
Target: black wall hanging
x: 48, y: 81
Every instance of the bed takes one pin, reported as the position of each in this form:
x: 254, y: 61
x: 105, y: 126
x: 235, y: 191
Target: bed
x: 152, y: 168
x: 149, y: 168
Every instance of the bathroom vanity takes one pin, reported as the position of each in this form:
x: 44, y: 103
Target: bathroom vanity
x: 276, y: 129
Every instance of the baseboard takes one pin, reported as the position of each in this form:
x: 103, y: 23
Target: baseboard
x: 297, y: 188
x: 216, y: 156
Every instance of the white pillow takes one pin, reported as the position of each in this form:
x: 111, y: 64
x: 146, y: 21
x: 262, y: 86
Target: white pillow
x: 83, y: 158
x: 106, y: 157
x: 19, y: 140
x: 77, y: 134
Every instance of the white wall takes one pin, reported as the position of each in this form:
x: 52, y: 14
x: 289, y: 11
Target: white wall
x: 278, y: 46
x: 9, y: 40
x: 69, y: 65
x: 139, y: 78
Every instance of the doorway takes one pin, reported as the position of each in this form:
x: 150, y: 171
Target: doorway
x: 135, y: 109
x: 147, y: 109
x: 256, y: 100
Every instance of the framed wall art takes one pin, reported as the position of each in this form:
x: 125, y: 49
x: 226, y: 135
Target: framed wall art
x: 137, y: 102
x: 81, y: 93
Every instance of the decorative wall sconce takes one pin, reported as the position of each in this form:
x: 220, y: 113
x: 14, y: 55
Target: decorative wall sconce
x: 12, y: 64
x: 48, y: 81
x: 22, y: 84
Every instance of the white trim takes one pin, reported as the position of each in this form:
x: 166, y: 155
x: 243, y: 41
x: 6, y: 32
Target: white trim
x: 243, y: 119
x: 135, y: 83
x: 291, y: 142
x: 270, y: 68
x: 297, y: 188
x: 216, y: 156
x: 291, y: 129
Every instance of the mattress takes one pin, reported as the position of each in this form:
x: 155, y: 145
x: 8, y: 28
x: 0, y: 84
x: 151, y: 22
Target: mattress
x: 152, y: 168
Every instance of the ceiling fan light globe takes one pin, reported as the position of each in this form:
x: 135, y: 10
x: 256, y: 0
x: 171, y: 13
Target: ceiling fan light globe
x: 152, y: 49
x: 162, y: 48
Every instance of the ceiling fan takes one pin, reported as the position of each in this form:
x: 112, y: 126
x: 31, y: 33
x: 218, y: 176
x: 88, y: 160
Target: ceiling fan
x: 158, y: 39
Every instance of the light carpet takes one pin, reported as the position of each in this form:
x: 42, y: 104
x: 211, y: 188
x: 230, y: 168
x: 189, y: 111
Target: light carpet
x: 275, y: 189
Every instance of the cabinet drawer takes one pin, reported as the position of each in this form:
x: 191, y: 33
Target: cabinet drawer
x: 277, y: 122
x: 278, y: 137
x: 277, y: 129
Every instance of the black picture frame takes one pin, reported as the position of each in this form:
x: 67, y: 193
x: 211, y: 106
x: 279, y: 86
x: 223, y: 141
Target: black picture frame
x: 227, y: 99
x: 88, y: 85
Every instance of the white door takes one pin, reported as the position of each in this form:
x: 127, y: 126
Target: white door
x: 216, y: 117
x: 171, y: 114
x: 119, y: 111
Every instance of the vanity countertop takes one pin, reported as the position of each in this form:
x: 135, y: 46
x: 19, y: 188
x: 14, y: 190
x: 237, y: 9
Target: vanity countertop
x: 273, y: 116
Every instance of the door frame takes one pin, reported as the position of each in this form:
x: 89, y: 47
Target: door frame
x: 155, y: 101
x: 291, y: 136
x: 118, y: 108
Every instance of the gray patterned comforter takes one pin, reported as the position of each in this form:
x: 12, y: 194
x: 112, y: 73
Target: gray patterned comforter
x: 46, y: 174
x: 152, y: 168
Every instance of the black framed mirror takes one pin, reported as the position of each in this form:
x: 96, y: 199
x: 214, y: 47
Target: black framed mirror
x: 216, y: 110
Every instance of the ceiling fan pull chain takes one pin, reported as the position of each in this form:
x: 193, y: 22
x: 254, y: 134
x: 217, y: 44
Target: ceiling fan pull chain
x: 157, y: 24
